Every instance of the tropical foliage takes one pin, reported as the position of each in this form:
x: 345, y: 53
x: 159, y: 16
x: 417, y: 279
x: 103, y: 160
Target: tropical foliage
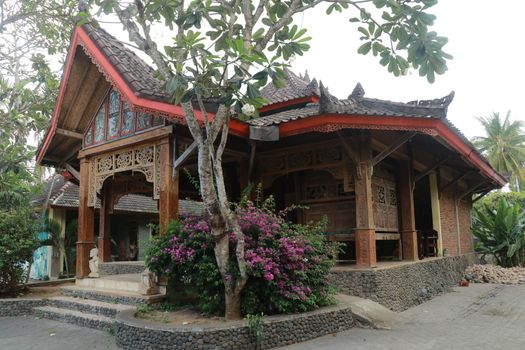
x: 18, y: 240
x: 503, y: 145
x: 287, y: 264
x: 501, y: 233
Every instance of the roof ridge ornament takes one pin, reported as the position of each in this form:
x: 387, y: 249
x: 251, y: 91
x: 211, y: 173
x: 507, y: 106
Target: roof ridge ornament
x: 358, y: 92
x: 326, y: 100
x: 313, y: 86
x: 443, y: 102
x: 306, y: 77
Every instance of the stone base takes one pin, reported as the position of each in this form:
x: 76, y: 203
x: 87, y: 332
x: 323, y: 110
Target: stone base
x: 403, y: 286
x: 120, y: 267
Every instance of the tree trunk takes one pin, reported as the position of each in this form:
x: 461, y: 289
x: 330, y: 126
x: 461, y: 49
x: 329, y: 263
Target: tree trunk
x: 233, y: 304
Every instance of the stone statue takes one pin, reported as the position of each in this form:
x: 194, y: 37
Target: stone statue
x: 149, y: 282
x: 93, y: 263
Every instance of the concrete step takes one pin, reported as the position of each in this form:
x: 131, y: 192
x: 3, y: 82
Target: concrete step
x: 125, y: 282
x: 75, y: 317
x: 94, y: 307
x: 111, y: 296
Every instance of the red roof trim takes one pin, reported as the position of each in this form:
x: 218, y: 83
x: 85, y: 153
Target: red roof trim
x: 289, y: 103
x: 80, y: 37
x: 435, y: 127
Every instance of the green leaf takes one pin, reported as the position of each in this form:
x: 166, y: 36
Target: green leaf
x: 365, y: 48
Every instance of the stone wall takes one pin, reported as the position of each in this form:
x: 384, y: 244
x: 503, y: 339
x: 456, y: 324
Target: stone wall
x: 132, y: 333
x: 19, y: 307
x: 121, y: 267
x: 406, y: 285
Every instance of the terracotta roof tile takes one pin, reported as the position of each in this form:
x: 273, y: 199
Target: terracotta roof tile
x: 137, y: 73
x: 65, y: 194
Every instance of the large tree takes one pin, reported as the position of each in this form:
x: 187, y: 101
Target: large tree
x: 224, y: 51
x: 504, y: 145
x: 31, y: 33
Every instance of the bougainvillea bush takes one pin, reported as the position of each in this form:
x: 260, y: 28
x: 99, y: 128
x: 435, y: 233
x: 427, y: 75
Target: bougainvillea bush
x: 288, y: 263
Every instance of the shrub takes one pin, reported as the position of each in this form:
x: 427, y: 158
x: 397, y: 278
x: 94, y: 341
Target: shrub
x: 287, y: 263
x: 501, y: 232
x: 491, y: 201
x: 17, y: 243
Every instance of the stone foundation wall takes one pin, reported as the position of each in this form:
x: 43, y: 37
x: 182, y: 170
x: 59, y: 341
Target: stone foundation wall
x: 133, y: 333
x: 19, y: 307
x: 404, y: 286
x: 121, y: 268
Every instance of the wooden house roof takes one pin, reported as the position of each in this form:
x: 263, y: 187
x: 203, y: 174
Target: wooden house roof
x: 303, y: 105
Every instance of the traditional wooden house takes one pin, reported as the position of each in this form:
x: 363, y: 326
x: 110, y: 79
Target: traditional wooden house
x: 380, y: 171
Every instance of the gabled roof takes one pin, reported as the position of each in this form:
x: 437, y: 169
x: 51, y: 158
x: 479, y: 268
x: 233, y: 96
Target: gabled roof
x: 301, y: 106
x: 296, y: 87
x: 138, y: 74
x: 355, y: 104
x: 65, y: 194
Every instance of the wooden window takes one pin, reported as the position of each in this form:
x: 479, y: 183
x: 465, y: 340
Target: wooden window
x: 116, y: 118
x: 143, y: 121
x: 88, y: 139
x: 113, y: 115
x: 100, y: 122
x: 158, y: 121
x: 127, y: 119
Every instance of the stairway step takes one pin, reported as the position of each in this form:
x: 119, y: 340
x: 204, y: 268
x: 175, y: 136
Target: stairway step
x: 111, y: 296
x: 75, y: 317
x: 127, y: 282
x: 94, y: 307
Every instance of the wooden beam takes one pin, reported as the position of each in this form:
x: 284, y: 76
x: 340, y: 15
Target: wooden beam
x: 73, y: 152
x: 151, y: 135
x: 86, y: 222
x: 481, y: 195
x: 73, y: 171
x: 470, y: 189
x: 169, y: 187
x: 407, y: 211
x: 252, y: 159
x: 350, y: 152
x: 365, y: 238
x: 431, y: 169
x: 187, y: 152
x: 69, y: 133
x: 455, y: 180
x: 392, y: 147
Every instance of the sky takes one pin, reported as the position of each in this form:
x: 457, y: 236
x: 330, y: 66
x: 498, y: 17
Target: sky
x: 487, y: 72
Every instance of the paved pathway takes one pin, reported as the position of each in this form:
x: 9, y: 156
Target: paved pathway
x: 28, y: 333
x: 478, y: 317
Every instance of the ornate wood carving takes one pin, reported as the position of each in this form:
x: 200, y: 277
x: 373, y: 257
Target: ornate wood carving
x: 143, y: 158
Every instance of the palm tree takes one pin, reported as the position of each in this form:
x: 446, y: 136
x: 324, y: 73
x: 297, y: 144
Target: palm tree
x: 504, y: 145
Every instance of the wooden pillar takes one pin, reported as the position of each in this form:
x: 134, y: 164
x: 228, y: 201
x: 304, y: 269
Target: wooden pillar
x: 104, y: 236
x: 436, y: 211
x: 365, y: 235
x: 169, y: 185
x: 86, y: 222
x: 408, y: 221
x: 244, y: 178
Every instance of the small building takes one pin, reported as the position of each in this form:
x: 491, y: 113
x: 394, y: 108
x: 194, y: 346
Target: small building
x: 130, y: 225
x: 395, y: 180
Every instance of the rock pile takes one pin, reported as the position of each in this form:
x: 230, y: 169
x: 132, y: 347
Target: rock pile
x: 495, y: 274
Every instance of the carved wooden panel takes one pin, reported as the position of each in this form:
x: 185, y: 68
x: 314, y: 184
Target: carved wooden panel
x: 385, y: 202
x: 144, y: 159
